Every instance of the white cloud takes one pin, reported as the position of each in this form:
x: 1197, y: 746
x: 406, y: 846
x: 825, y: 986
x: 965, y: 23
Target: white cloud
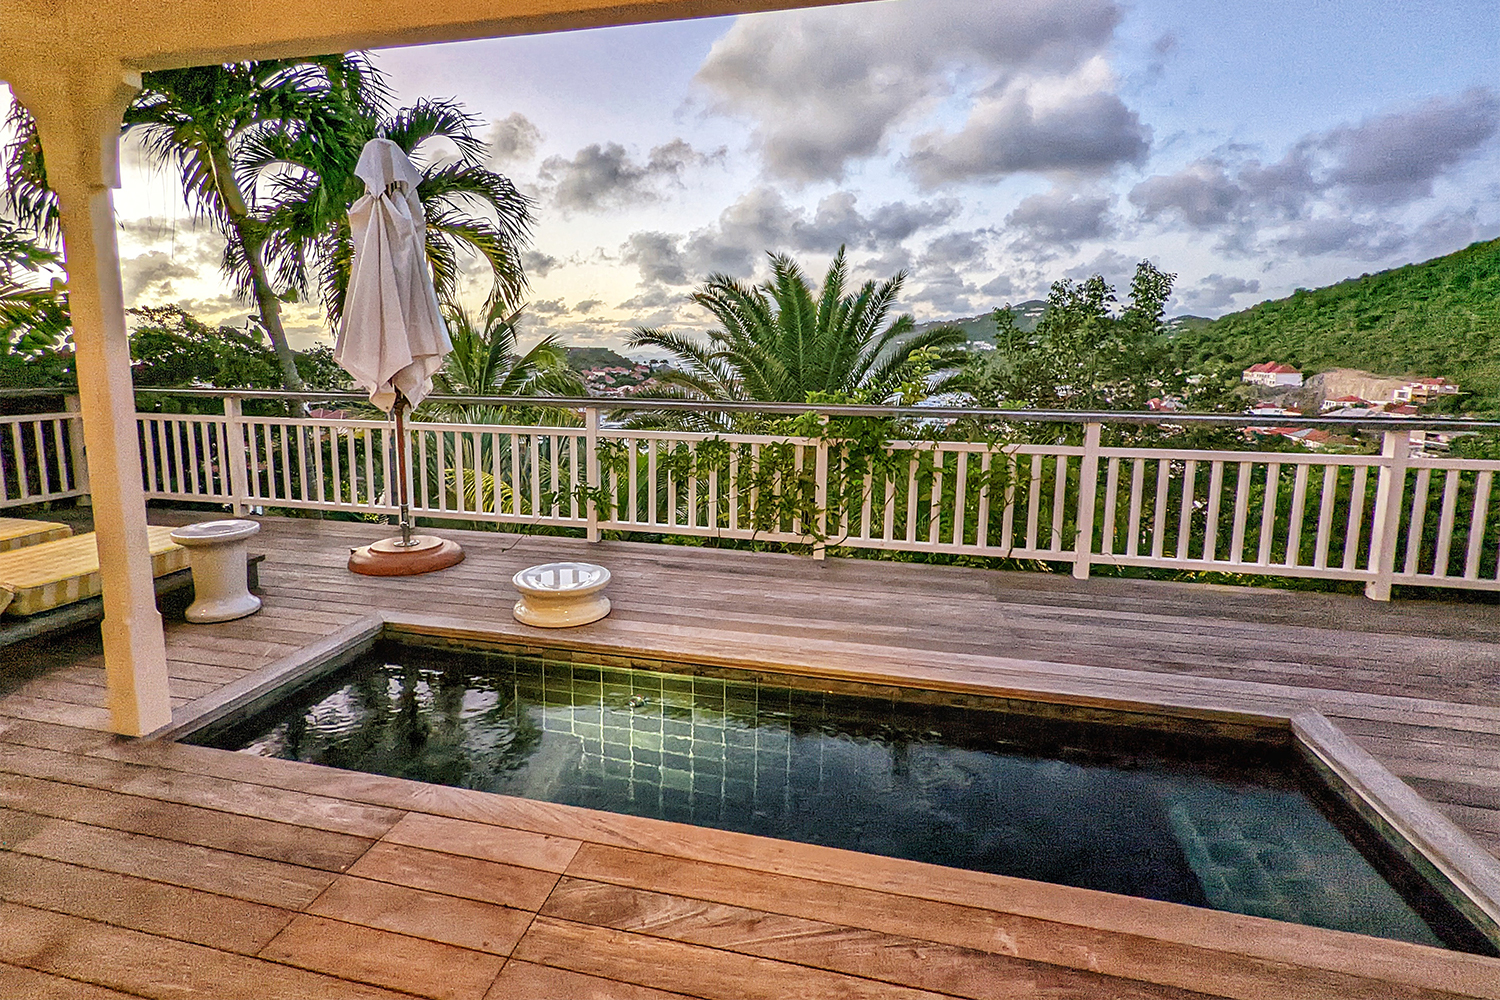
x: 828, y: 86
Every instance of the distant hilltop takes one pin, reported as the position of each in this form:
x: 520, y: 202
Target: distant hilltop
x: 982, y: 327
x: 1439, y: 318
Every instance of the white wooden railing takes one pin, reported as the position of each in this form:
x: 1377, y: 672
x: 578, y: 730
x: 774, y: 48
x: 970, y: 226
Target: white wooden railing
x: 1392, y: 518
x: 41, y: 457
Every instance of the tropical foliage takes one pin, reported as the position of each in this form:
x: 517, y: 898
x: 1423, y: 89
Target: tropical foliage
x: 785, y: 341
x: 1440, y: 317
x: 266, y: 151
x: 1085, y: 353
x: 470, y: 209
x: 485, y: 362
x: 33, y: 313
x: 174, y: 349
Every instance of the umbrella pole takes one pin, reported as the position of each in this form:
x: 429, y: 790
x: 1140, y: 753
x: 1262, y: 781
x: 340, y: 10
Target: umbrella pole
x: 401, y: 470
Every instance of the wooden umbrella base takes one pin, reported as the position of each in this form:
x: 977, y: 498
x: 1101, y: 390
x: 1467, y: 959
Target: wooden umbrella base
x: 388, y: 557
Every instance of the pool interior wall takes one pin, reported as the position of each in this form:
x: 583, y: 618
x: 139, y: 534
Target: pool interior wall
x: 1179, y: 813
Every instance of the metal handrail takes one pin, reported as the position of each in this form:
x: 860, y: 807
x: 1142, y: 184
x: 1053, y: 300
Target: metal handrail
x: 613, y: 403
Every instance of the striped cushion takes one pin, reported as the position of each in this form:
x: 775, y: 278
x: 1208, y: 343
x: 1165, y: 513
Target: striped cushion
x: 41, y: 577
x: 16, y: 532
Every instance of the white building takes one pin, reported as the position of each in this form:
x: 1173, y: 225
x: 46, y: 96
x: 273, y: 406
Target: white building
x: 1272, y: 373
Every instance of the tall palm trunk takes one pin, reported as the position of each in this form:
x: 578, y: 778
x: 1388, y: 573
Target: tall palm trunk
x: 252, y: 239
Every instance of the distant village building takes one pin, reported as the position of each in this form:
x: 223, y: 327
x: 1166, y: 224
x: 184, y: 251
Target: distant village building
x: 1423, y: 389
x: 1343, y: 402
x: 1271, y: 373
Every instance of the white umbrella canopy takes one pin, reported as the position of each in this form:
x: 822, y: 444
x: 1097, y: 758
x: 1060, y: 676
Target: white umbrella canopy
x: 392, y: 338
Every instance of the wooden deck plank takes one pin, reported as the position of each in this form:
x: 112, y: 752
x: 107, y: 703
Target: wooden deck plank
x: 468, y: 878
x: 140, y: 904
x: 979, y: 974
x: 254, y: 879
x: 527, y: 981
x: 1141, y: 956
x: 709, y: 973
x: 466, y: 923
x: 262, y: 838
x: 334, y: 815
x: 479, y: 840
x: 365, y: 954
x: 145, y: 965
x: 33, y: 985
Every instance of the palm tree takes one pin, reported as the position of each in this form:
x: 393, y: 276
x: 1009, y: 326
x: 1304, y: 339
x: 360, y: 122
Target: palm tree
x: 470, y: 209
x: 33, y: 316
x: 267, y: 151
x: 484, y: 362
x: 208, y: 120
x: 781, y: 342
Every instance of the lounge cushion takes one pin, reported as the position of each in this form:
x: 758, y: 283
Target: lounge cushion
x: 41, y: 577
x: 17, y: 532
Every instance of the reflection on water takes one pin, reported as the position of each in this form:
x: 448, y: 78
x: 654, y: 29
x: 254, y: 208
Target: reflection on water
x: 1162, y: 817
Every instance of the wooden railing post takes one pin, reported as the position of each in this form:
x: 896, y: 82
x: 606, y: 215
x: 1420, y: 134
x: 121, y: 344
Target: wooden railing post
x: 236, y: 459
x: 77, y: 453
x: 1389, y: 491
x: 591, y: 446
x: 1088, y: 488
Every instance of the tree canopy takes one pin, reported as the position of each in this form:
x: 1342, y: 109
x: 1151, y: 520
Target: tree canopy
x: 785, y: 341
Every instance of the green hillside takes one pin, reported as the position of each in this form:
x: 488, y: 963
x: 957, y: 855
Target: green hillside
x: 581, y: 359
x: 1437, y: 318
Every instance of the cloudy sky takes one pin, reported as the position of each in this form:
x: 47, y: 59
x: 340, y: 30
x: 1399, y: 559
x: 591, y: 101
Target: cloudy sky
x: 988, y: 148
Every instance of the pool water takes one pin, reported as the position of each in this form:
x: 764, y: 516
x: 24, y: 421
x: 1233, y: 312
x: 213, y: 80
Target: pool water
x: 1232, y: 826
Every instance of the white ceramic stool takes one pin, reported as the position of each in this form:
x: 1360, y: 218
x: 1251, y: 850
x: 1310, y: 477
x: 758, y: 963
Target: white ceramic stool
x: 557, y: 595
x: 217, y: 553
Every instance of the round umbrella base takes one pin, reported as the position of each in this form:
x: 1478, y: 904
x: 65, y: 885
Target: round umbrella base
x: 388, y: 557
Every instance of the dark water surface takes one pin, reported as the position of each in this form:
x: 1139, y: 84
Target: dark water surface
x: 1227, y: 826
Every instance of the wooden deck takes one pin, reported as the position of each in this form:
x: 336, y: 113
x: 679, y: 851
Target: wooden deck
x: 155, y: 869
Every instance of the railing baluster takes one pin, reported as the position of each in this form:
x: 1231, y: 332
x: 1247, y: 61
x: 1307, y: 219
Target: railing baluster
x: 960, y: 495
x: 1159, y: 515
x: 149, y: 426
x: 755, y: 486
x: 1241, y: 513
x: 1354, y: 530
x: 671, y: 511
x: 982, y: 528
x: 911, y: 496
x: 692, y: 498
x: 1185, y: 517
x: 1111, y: 496
x: 1418, y: 516
x: 1211, y: 516
x: 1059, y: 503
x: 1034, y: 503
x: 1299, y: 509
x: 1325, y: 515
x: 1477, y: 524
x: 44, y: 477
x: 1012, y: 491
x: 1445, y: 523
x: 935, y: 497
x: 1133, y: 522
x: 1268, y: 514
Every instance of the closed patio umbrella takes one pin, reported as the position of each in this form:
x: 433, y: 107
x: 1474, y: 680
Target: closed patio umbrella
x: 393, y: 339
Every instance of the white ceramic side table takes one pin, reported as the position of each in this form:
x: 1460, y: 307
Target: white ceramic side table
x: 217, y: 553
x: 557, y: 595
